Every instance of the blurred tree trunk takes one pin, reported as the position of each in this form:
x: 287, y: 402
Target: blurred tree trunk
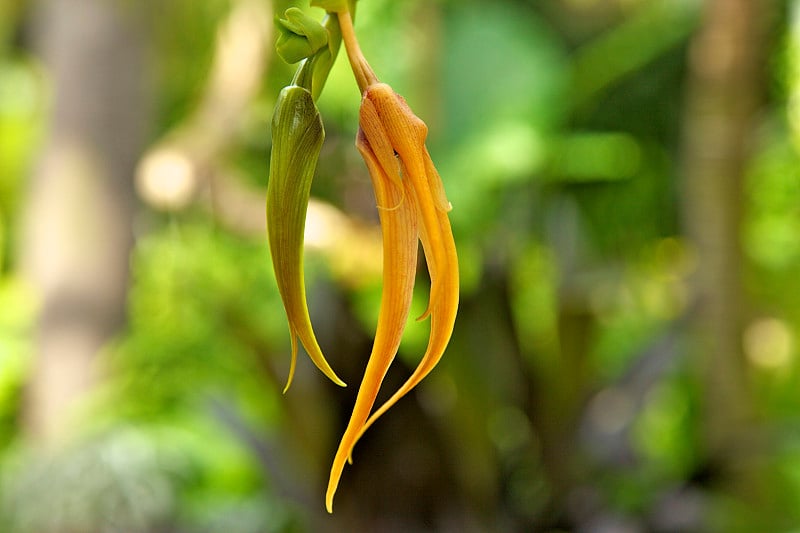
x: 80, y: 204
x: 726, y: 79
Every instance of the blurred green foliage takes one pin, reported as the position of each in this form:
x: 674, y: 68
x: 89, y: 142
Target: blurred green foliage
x: 556, y: 131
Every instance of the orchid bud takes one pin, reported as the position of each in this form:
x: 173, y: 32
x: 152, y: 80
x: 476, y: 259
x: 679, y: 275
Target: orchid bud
x: 297, y: 136
x: 300, y: 36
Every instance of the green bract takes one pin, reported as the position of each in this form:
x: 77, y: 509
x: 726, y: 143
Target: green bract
x: 297, y: 136
x: 324, y: 58
x: 300, y: 36
x: 314, y: 69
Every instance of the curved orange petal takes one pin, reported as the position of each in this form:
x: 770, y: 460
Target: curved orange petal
x: 397, y: 211
x: 443, y: 310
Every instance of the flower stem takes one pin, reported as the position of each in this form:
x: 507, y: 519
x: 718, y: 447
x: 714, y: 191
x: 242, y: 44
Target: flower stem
x: 361, y: 69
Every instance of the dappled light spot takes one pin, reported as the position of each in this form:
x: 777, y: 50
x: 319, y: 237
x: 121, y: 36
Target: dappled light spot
x: 166, y: 179
x: 352, y: 250
x: 769, y: 343
x: 513, y: 150
x: 611, y: 410
x: 597, y: 157
x: 660, y: 428
x: 325, y: 225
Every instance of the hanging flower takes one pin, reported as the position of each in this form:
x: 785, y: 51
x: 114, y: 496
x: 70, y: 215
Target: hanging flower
x: 411, y: 201
x: 391, y: 140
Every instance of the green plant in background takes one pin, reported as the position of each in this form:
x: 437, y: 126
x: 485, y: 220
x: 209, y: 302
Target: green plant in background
x: 569, y: 400
x: 410, y: 198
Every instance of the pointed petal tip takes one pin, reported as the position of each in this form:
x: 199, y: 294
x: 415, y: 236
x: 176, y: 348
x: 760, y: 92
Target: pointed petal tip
x: 329, y: 500
x: 326, y: 369
x: 424, y: 315
x: 293, y: 363
x: 331, y: 375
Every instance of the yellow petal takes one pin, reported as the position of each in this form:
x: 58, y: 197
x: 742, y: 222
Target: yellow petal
x: 443, y: 316
x: 382, y: 150
x: 398, y: 224
x: 406, y: 133
x: 443, y: 311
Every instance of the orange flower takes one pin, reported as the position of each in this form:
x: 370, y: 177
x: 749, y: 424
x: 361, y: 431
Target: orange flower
x: 392, y: 142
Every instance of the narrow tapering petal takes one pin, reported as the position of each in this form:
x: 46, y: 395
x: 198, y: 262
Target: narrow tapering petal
x: 397, y: 212
x: 443, y: 315
x: 442, y: 307
x: 406, y: 134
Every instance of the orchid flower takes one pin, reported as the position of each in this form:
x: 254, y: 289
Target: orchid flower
x: 411, y: 199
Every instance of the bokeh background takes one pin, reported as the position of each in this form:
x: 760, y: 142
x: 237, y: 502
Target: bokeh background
x: 624, y: 176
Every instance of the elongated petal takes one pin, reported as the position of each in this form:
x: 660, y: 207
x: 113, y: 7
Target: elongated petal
x: 398, y: 224
x: 374, y: 130
x: 297, y: 135
x: 443, y: 315
x: 443, y: 310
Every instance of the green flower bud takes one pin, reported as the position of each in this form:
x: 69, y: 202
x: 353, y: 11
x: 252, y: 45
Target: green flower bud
x: 300, y: 36
x: 297, y: 136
